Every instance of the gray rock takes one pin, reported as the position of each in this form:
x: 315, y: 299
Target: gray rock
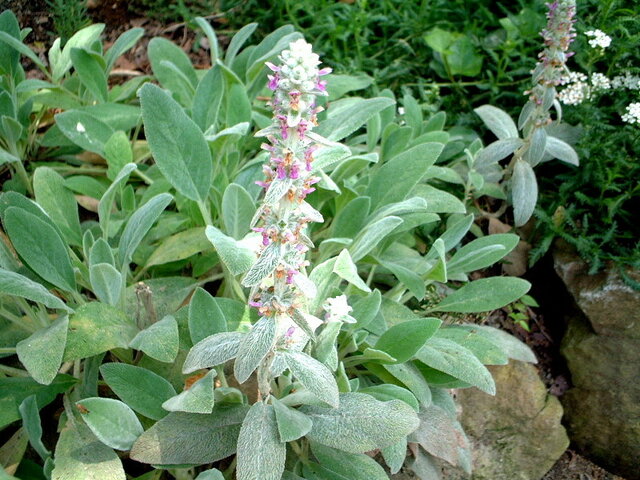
x: 602, y: 348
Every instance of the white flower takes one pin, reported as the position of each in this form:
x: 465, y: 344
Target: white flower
x: 631, y: 82
x: 600, y: 82
x: 574, y: 94
x: 633, y: 113
x: 338, y: 310
x: 598, y: 39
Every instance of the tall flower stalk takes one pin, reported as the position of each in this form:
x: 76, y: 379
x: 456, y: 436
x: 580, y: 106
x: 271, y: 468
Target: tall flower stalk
x: 279, y: 285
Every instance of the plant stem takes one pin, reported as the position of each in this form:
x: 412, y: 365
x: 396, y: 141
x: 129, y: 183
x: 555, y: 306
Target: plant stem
x: 15, y: 319
x: 7, y: 350
x: 204, y: 210
x: 13, y: 372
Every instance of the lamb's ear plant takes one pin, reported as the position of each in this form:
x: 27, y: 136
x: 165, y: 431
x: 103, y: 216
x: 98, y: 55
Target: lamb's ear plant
x: 539, y: 139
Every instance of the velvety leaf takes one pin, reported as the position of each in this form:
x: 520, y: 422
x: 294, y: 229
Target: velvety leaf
x: 404, y: 339
x: 254, y: 346
x: 387, y: 392
x: 172, y: 67
x: 394, y: 455
x: 95, y: 328
x: 496, y: 151
x: 40, y: 247
x: 343, y: 466
x: 180, y: 246
x: 106, y: 283
x: 410, y: 376
x: 198, y: 398
x: 498, y: 121
x: 106, y: 202
x: 366, y: 309
x: 118, y: 153
x: 83, y: 38
x: 372, y: 235
x: 90, y: 72
x: 348, y: 115
x: 177, y: 144
x: 139, y: 224
x: 264, y: 266
x: 59, y: 203
x: 347, y: 270
x: 237, y: 211
x: 453, y: 359
x: 191, y: 438
x: 159, y: 340
x: 81, y: 456
x: 315, y: 377
x: 506, y: 342
x: 124, y: 42
x: 208, y: 98
x: 141, y: 389
x: 213, y: 350
x: 260, y: 429
x: 482, y: 252
x: 561, y: 150
x: 42, y: 352
x: 292, y: 424
x: 484, y: 295
x: 361, y: 423
x: 30, y: 414
x: 12, y: 283
x: 209, y: 315
x: 111, y: 421
x: 524, y: 192
x: 85, y: 130
x: 486, y: 351
x: 236, y: 257
x: 212, y: 474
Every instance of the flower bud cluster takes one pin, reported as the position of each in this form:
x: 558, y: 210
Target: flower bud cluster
x: 632, y: 116
x: 551, y: 66
x: 598, y: 39
x: 282, y: 219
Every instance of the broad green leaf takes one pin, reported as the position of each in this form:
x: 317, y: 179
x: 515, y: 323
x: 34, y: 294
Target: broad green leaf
x: 208, y: 98
x: 139, y: 224
x: 179, y: 246
x: 524, y: 192
x: 561, y: 150
x: 14, y: 284
x: 42, y: 352
x: 453, y: 359
x: 191, y: 438
x: 59, y: 203
x: 348, y: 115
x: 90, y: 72
x: 414, y: 282
x: 366, y: 309
x: 253, y: 347
x: 314, y: 376
x: 11, y: 57
x: 486, y: 351
x: 212, y: 474
x: 292, y: 424
x: 372, y: 235
x: 439, y: 201
x: 237, y: 41
x: 40, y: 246
x: 482, y: 252
x: 498, y: 121
x: 347, y: 270
x: 123, y: 43
x: 396, y: 178
x: 537, y: 146
x: 484, y: 295
x: 80, y: 455
x: 506, y: 342
x: 159, y: 340
x: 496, y: 151
x: 177, y: 144
x: 95, y: 328
x: 347, y: 466
x: 85, y: 130
x: 238, y: 258
x: 30, y: 414
x: 118, y: 153
x: 457, y: 228
x: 260, y: 429
x: 339, y: 85
x: 83, y: 38
x: 394, y: 455
x: 198, y: 398
x: 106, y: 202
x: 361, y: 423
x: 15, y: 44
x: 181, y: 79
x: 209, y: 315
x: 141, y: 389
x: 410, y: 376
x: 237, y: 211
x: 101, y: 252
x: 388, y: 392
x: 106, y: 283
x: 213, y: 350
x: 111, y: 421
x: 404, y: 339
x: 350, y: 219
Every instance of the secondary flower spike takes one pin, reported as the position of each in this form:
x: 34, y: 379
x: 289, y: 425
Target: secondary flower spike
x: 279, y: 285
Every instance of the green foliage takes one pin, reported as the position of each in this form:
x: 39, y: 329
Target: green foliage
x: 68, y: 17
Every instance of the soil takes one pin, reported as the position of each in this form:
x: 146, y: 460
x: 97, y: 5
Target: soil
x: 546, y: 324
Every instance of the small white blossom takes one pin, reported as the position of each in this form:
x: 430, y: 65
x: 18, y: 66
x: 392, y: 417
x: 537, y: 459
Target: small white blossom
x: 598, y: 39
x: 600, y: 82
x: 573, y: 77
x: 574, y: 94
x: 633, y: 113
x: 631, y: 82
x: 338, y: 310
x: 80, y: 128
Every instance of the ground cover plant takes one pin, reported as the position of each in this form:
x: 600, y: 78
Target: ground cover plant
x: 323, y: 282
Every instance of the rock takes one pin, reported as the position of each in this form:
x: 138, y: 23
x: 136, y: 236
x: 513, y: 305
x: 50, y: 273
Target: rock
x: 601, y: 346
x: 516, y: 435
